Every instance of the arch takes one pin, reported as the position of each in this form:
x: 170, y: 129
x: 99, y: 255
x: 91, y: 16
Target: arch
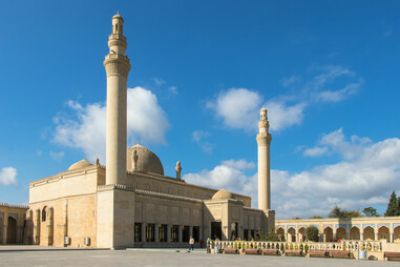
x: 281, y: 234
x: 355, y: 233
x: 396, y: 234
x: 44, y: 213
x: 302, y: 234
x: 11, y: 230
x: 383, y: 233
x: 291, y: 234
x: 341, y: 234
x: 328, y: 234
x: 369, y: 233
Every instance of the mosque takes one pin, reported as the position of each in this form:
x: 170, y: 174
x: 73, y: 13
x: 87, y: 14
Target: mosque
x: 130, y: 202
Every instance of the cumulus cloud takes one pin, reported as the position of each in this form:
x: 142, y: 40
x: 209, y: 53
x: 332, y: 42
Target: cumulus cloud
x: 230, y: 174
x: 282, y: 115
x: 8, y: 176
x: 86, y: 130
x: 237, y: 107
x: 365, y: 175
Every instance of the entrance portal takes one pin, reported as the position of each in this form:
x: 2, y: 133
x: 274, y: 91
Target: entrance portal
x: 216, y: 230
x: 12, y: 231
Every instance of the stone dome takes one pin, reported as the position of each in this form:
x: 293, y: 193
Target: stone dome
x: 222, y: 195
x: 80, y: 164
x: 146, y: 161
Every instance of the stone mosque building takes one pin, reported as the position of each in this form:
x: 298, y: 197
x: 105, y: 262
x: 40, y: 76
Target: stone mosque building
x: 130, y: 202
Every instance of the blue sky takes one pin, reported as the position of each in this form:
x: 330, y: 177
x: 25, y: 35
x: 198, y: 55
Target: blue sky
x: 328, y: 71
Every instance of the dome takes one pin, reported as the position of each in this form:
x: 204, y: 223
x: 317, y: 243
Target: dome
x: 146, y: 161
x: 80, y: 164
x: 222, y: 195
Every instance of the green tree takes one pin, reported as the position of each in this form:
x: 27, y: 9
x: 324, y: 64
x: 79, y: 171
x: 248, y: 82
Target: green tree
x: 337, y: 212
x: 312, y: 233
x: 370, y: 212
x: 393, y: 205
x: 316, y: 217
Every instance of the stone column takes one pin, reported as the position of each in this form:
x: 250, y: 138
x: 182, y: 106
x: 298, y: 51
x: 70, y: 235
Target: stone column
x: 263, y: 144
x: 169, y: 237
x: 334, y: 231
x: 376, y: 235
x: 180, y: 234
x: 117, y: 68
x: 36, y: 227
x: 391, y: 235
x: 5, y: 232
x: 157, y: 233
x: 143, y: 233
x: 362, y: 235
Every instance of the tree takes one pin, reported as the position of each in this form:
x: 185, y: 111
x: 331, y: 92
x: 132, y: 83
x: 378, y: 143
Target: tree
x: 316, y: 217
x: 370, y: 212
x: 393, y: 206
x: 312, y: 233
x: 337, y: 212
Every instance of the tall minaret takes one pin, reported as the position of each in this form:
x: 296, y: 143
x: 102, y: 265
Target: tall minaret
x: 117, y: 67
x: 264, y: 169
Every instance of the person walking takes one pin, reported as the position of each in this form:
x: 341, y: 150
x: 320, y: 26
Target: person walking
x: 191, y: 244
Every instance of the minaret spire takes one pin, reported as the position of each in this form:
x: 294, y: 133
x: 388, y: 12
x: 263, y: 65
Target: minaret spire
x: 117, y: 68
x: 264, y: 169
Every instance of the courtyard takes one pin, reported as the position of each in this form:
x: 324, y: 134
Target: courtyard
x: 158, y: 257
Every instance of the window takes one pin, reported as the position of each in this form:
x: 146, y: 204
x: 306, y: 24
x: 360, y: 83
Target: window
x: 185, y: 234
x: 162, y: 233
x: 138, y: 232
x: 150, y: 232
x: 196, y: 233
x: 246, y: 234
x: 175, y: 233
x: 44, y: 211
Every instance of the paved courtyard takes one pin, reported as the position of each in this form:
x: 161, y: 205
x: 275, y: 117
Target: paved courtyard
x: 148, y: 257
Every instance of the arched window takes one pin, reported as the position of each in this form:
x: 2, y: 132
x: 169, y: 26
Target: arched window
x: 44, y: 215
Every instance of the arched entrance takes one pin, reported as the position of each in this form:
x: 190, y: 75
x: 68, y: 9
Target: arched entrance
x: 281, y: 234
x: 11, y: 230
x: 302, y: 234
x: 369, y: 233
x: 396, y: 234
x: 340, y: 234
x: 383, y: 233
x: 291, y: 235
x: 354, y: 233
x: 328, y: 233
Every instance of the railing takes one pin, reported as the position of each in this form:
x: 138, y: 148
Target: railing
x: 351, y: 246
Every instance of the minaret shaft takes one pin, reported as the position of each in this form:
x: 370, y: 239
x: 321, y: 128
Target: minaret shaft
x: 264, y: 169
x: 117, y: 68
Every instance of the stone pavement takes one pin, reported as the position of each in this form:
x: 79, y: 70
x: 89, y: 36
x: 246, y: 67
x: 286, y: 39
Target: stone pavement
x: 161, y: 257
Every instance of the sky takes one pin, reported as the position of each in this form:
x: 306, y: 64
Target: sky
x: 327, y: 71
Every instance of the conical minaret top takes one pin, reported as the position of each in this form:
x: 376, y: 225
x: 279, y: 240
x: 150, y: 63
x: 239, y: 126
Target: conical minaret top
x: 264, y: 169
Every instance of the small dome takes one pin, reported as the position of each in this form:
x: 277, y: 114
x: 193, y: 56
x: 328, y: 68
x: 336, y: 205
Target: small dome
x: 142, y: 159
x: 80, y: 164
x: 222, y: 195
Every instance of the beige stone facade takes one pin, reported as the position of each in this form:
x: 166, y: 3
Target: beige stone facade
x: 12, y: 223
x: 333, y: 229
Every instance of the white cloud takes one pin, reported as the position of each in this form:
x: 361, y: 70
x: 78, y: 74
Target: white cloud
x: 147, y: 122
x: 237, y: 107
x: 366, y: 178
x: 315, y: 151
x: 282, y: 115
x: 8, y: 176
x: 200, y: 138
x: 229, y: 174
